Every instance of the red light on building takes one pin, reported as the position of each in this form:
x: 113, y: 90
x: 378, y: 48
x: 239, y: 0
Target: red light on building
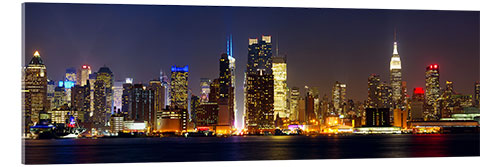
x: 418, y: 90
x: 433, y: 67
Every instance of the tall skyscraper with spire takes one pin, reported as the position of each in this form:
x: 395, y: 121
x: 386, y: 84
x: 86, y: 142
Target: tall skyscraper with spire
x: 232, y: 69
x: 395, y: 78
x: 34, y: 90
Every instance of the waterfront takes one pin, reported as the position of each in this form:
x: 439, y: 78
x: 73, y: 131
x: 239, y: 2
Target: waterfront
x: 178, y: 149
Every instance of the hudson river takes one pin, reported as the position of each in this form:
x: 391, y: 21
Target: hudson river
x: 176, y: 149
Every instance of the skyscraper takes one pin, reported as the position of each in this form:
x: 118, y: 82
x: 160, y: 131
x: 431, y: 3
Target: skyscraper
x: 92, y: 79
x: 195, y: 102
x: 385, y: 96
x: 432, y: 93
x: 103, y: 97
x: 280, y: 87
x: 70, y: 79
x: 232, y: 68
x: 373, y: 96
x: 51, y: 88
x: 417, y: 104
x: 395, y: 79
x: 205, y: 89
x: 259, y: 56
x: 80, y: 102
x: 259, y: 85
x: 157, y: 91
x: 34, y: 90
x: 117, y: 95
x: 70, y: 75
x: 83, y: 75
x: 226, y: 90
x: 126, y: 100
x: 294, y: 103
x: 179, y: 87
x: 166, y: 86
x: 142, y: 105
x: 338, y: 97
x: 259, y: 102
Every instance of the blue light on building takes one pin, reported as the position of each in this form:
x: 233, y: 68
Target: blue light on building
x: 179, y: 69
x: 66, y: 84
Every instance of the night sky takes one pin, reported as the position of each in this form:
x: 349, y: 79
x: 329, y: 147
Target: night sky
x: 322, y: 45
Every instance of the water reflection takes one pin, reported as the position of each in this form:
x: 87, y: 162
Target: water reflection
x: 248, y: 148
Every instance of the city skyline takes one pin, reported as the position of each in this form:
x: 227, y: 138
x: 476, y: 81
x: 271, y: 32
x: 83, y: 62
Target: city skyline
x: 247, y: 82
x: 349, y: 54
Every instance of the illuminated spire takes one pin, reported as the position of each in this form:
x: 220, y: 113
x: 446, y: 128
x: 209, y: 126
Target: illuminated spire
x: 395, y: 52
x: 36, y: 54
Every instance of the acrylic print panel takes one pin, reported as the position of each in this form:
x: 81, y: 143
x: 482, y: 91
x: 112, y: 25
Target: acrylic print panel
x: 158, y: 83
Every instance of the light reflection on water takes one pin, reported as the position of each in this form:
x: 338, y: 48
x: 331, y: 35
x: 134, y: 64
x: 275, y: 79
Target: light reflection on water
x: 248, y: 148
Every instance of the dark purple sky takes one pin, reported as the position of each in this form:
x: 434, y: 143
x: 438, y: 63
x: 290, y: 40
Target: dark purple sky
x: 323, y: 45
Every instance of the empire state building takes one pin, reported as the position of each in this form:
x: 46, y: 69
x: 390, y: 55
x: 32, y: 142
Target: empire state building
x: 395, y: 78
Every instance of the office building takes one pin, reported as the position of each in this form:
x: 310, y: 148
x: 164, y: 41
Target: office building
x: 302, y: 111
x: 205, y: 89
x: 259, y: 86
x: 172, y: 119
x: 195, y: 102
x: 294, y: 103
x: 83, y: 75
x: 207, y: 114
x: 395, y: 78
x: 126, y: 100
x: 80, y: 102
x: 158, y: 92
x: 103, y: 97
x: 34, y: 90
x: 432, y: 92
x: 310, y: 107
x: 117, y: 123
x: 117, y: 94
x: 377, y: 117
x: 400, y: 118
x: 179, y: 87
x: 280, y: 87
x: 417, y: 104
x: 385, y: 96
x: 166, y: 86
x: 142, y: 105
x: 259, y: 102
x: 373, y: 96
x: 226, y: 92
x: 338, y: 97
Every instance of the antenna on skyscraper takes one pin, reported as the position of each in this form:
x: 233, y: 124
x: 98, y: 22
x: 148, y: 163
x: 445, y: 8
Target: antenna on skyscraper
x: 395, y: 34
x: 277, y: 47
